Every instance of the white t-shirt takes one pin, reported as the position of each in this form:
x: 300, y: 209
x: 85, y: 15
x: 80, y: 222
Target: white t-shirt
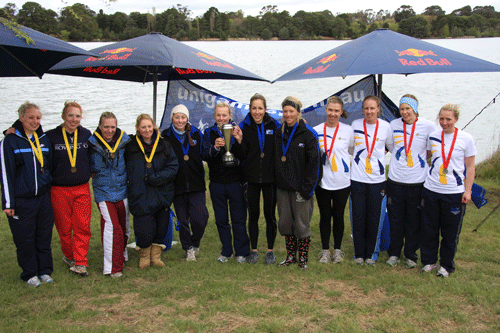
x: 337, y: 174
x: 464, y: 147
x: 384, y: 139
x: 399, y: 171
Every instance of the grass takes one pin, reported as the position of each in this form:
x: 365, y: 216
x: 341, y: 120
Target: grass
x: 207, y: 296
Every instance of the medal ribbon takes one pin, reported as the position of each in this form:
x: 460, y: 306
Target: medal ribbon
x: 329, y: 151
x: 72, y: 156
x: 262, y: 136
x: 446, y: 159
x: 409, y: 159
x: 185, y: 151
x: 106, y: 144
x: 368, y: 168
x: 150, y: 158
x: 37, y: 150
x: 283, y: 148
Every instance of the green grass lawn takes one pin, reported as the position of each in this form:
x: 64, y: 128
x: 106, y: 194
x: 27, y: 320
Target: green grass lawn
x: 206, y: 296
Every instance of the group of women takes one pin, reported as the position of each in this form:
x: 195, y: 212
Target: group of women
x: 45, y: 181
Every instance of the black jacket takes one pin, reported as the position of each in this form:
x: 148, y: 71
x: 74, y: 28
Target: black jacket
x: 191, y: 174
x: 150, y: 189
x: 217, y: 172
x: 255, y: 168
x: 302, y: 170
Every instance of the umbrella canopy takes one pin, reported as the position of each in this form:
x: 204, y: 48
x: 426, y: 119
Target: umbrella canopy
x: 387, y: 52
x: 27, y: 52
x: 153, y: 57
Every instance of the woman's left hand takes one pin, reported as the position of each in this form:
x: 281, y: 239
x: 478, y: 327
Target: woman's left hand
x: 466, y: 197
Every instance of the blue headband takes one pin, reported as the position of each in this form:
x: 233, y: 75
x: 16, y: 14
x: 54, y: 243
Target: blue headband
x: 411, y: 102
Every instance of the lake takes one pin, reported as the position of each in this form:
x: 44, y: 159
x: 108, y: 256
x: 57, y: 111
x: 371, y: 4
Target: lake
x: 269, y: 59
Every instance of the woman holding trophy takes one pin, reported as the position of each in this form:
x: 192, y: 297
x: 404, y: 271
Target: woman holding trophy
x: 226, y: 189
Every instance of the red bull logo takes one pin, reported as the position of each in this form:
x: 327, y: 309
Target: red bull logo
x: 205, y: 56
x: 330, y: 58
x: 422, y: 61
x: 119, y: 50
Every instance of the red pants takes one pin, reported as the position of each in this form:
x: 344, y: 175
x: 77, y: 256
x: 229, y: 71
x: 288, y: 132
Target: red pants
x: 72, y: 214
x: 115, y: 231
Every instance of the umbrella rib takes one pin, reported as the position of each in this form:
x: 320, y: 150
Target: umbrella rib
x: 22, y: 63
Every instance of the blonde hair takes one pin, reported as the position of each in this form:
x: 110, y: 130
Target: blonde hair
x: 293, y: 102
x: 337, y: 100
x: 224, y: 105
x: 145, y: 116
x: 107, y: 115
x: 25, y: 107
x: 453, y: 108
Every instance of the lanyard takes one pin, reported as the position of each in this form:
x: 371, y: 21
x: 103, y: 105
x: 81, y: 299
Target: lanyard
x: 446, y: 159
x: 329, y: 151
x: 409, y: 159
x: 368, y: 168
x: 185, y: 150
x: 261, y: 133
x: 285, y: 149
x: 37, y: 150
x: 111, y: 151
x: 72, y: 156
x: 150, y: 158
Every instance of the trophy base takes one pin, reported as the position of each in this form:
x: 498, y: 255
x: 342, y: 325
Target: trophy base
x: 228, y: 161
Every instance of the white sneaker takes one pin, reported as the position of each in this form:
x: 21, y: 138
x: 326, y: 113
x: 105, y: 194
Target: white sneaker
x: 442, y: 272
x: 338, y: 256
x: 370, y: 262
x: 325, y: 257
x: 190, y: 254
x: 196, y: 250
x: 428, y: 268
x: 34, y: 282
x: 359, y: 261
x: 410, y: 263
x: 393, y: 261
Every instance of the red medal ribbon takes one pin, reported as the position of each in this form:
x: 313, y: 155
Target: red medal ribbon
x: 407, y: 149
x: 368, y: 149
x: 446, y: 160
x: 325, y: 145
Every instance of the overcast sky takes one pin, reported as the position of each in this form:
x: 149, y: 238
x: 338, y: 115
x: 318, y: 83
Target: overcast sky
x: 199, y: 7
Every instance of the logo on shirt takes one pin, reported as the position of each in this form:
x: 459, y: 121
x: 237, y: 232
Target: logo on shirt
x: 301, y: 145
x: 269, y: 132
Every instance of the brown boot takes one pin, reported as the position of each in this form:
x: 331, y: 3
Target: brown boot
x: 156, y: 250
x: 145, y: 259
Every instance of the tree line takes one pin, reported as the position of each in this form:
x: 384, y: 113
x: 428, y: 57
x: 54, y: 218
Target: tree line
x: 79, y: 23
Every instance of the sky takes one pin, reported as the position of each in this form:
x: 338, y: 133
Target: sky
x: 199, y: 7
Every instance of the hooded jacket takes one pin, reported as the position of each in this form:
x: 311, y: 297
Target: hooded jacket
x: 255, y: 168
x: 150, y: 189
x: 22, y: 175
x: 109, y: 174
x: 302, y: 170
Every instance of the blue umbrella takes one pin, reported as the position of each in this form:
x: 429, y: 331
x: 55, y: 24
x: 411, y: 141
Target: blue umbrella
x: 387, y: 52
x: 153, y: 57
x: 27, y: 52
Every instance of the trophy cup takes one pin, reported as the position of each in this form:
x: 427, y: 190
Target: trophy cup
x: 228, y: 158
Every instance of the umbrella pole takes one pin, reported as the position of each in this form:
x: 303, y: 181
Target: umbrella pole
x: 155, y: 89
x: 379, y: 86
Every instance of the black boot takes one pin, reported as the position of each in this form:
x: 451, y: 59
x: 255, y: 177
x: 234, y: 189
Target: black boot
x: 304, y: 252
x: 291, y: 251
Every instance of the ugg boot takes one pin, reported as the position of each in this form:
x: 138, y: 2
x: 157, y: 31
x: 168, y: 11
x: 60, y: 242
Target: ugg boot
x: 145, y: 259
x: 156, y: 250
x: 291, y: 251
x: 304, y: 252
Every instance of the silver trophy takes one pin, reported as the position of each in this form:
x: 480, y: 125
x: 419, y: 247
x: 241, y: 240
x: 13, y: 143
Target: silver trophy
x: 228, y: 158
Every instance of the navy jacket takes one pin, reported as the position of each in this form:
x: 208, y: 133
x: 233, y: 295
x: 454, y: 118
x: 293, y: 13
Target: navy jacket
x: 217, y: 172
x: 21, y: 172
x: 191, y: 174
x: 302, y: 169
x: 61, y: 171
x: 110, y: 174
x: 255, y: 168
x: 150, y: 189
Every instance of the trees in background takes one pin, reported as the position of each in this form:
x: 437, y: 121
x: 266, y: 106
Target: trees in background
x: 79, y: 23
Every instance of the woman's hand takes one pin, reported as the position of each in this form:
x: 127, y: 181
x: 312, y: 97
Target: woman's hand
x: 237, y: 133
x: 9, y: 212
x: 219, y: 142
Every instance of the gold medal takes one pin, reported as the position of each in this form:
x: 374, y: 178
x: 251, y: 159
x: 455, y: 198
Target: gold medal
x: 73, y: 170
x: 445, y: 171
x: 261, y: 155
x: 149, y: 165
x: 186, y: 157
x: 283, y: 158
x: 111, y: 150
x: 112, y: 155
x: 42, y: 170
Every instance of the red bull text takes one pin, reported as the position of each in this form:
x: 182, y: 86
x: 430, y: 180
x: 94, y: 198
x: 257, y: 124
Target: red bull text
x: 192, y: 71
x: 422, y: 61
x: 330, y: 58
x: 119, y: 50
x: 101, y: 70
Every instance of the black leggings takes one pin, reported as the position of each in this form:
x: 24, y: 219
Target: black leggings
x: 331, y: 204
x: 252, y: 196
